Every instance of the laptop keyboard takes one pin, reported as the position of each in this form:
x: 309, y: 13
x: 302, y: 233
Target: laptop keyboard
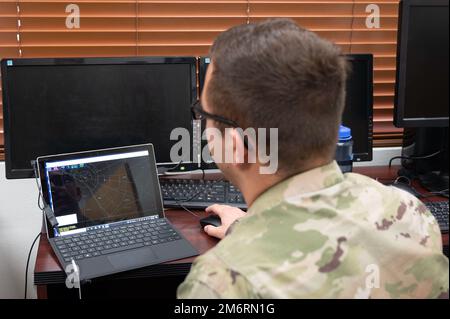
x: 110, y: 240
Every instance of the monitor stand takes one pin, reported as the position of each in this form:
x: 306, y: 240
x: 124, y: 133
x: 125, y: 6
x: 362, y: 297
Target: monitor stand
x: 434, y: 182
x: 431, y: 172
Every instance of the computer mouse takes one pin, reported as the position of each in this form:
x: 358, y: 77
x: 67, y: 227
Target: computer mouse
x: 213, y: 220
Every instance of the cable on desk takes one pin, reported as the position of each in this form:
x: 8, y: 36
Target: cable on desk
x: 400, y: 178
x: 193, y: 196
x: 178, y: 201
x: 413, y: 157
x: 28, y: 262
x: 408, y: 182
x: 173, y: 167
x: 443, y: 193
x: 187, y: 209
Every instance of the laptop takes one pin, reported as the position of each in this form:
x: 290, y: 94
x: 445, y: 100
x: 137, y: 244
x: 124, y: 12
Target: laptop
x: 108, y: 215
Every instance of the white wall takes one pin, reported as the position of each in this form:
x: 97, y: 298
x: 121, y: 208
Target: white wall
x: 20, y: 222
x: 382, y: 155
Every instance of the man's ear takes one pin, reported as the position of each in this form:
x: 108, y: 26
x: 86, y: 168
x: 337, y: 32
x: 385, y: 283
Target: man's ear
x: 240, y: 152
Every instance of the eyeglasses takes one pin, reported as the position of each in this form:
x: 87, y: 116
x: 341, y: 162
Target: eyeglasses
x: 199, y: 114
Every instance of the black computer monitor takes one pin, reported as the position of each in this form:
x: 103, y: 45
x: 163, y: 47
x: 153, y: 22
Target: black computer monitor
x: 358, y: 112
x: 54, y: 106
x: 421, y: 98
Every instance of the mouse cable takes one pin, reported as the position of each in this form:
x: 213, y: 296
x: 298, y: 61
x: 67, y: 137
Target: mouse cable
x: 187, y: 209
x: 192, y: 196
x: 189, y: 199
x: 179, y: 201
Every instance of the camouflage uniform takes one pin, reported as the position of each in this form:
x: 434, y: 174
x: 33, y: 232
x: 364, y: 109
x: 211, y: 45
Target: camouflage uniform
x: 322, y: 234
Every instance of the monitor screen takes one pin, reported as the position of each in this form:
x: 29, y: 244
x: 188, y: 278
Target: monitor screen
x: 99, y: 190
x: 55, y: 106
x: 422, y: 97
x: 358, y: 112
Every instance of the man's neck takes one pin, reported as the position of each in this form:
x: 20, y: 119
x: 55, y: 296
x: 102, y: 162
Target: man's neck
x: 254, y: 184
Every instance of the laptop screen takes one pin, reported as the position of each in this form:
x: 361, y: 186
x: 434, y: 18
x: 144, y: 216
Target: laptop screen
x: 101, y: 191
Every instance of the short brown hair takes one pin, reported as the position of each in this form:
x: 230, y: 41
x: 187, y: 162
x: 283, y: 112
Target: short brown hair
x: 275, y: 74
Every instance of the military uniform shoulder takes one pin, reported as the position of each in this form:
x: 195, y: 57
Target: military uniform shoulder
x: 362, y: 180
x: 389, y: 193
x: 211, y: 277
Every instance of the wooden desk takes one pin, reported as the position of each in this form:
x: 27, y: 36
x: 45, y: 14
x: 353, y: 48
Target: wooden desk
x: 50, y: 278
x: 49, y: 274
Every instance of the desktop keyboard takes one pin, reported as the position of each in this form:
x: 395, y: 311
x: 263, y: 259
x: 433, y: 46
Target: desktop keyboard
x: 114, y: 239
x: 440, y: 212
x: 199, y: 194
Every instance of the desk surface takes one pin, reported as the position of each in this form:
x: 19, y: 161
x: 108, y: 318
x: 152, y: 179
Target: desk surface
x: 48, y: 271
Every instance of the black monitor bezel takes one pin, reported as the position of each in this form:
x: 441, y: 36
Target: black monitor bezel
x: 400, y: 82
x: 202, y: 67
x: 29, y: 173
x: 368, y: 58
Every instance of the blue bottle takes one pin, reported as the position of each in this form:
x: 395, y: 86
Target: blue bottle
x: 344, y: 149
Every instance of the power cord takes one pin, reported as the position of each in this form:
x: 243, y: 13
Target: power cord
x: 40, y: 199
x: 406, y: 181
x: 413, y: 157
x: 28, y: 262
x: 443, y: 193
x: 41, y: 206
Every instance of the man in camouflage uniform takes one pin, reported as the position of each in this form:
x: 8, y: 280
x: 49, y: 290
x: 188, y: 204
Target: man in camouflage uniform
x: 310, y: 231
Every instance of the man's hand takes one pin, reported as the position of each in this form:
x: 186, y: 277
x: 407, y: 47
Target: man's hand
x: 227, y: 214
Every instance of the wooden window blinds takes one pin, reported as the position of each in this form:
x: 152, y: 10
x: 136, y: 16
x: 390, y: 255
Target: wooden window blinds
x: 36, y: 28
